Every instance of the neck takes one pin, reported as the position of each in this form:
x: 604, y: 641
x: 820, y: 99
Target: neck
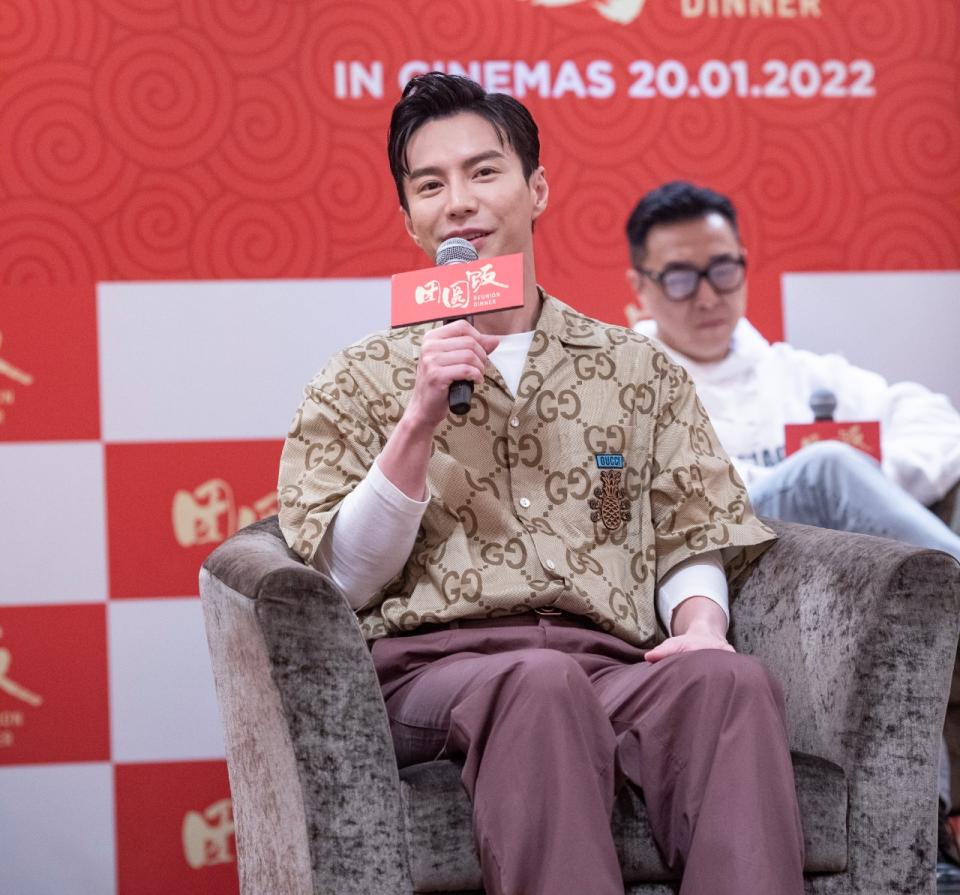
x: 515, y: 320
x: 699, y: 358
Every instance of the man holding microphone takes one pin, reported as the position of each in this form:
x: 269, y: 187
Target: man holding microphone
x: 542, y: 580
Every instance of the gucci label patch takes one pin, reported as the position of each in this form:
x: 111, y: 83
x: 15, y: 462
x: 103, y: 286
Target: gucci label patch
x: 609, y: 461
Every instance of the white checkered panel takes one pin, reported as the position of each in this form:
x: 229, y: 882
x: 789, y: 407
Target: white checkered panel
x: 162, y: 701
x: 911, y: 318
x: 223, y: 359
x: 57, y: 824
x: 53, y: 549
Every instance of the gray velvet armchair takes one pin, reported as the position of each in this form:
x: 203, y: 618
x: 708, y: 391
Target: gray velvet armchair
x: 862, y: 633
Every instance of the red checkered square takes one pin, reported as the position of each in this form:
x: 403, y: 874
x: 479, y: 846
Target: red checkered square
x: 53, y: 684
x: 169, y: 505
x: 48, y: 364
x: 175, y: 829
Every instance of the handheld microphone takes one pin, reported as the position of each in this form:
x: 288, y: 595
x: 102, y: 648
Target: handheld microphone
x: 458, y: 251
x: 861, y: 434
x: 823, y: 403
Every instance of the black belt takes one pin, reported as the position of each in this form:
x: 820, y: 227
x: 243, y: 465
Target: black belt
x: 532, y: 617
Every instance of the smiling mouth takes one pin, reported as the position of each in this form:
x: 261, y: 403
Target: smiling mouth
x: 469, y: 235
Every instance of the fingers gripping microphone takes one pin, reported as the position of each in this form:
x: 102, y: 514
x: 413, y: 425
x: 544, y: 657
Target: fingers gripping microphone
x: 458, y: 251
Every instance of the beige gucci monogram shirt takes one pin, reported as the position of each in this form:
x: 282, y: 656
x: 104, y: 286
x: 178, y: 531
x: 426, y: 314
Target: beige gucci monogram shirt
x: 579, y: 493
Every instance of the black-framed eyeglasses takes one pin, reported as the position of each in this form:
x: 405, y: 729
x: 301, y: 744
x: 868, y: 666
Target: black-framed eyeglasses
x: 681, y: 281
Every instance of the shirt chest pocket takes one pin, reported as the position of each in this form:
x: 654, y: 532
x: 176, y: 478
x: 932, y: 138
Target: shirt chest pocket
x: 594, y: 481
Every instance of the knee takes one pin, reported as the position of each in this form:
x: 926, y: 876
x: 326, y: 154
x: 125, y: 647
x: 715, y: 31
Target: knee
x: 836, y: 459
x: 724, y: 675
x: 548, y: 676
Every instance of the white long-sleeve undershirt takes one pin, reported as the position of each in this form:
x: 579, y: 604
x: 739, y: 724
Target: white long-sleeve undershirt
x: 370, y: 538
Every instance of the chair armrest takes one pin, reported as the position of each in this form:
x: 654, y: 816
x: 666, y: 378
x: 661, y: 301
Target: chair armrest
x: 862, y: 633
x: 304, y: 717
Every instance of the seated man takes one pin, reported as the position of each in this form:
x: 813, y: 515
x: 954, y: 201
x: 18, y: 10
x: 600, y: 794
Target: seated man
x: 509, y: 566
x: 688, y: 273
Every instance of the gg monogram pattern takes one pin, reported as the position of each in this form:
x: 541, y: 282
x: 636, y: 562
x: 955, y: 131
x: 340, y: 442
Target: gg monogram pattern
x: 514, y: 520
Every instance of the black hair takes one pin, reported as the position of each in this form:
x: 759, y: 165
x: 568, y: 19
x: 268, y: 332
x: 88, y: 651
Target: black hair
x: 437, y: 95
x: 671, y: 203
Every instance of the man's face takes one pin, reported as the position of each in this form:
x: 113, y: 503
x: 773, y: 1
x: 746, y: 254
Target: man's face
x: 701, y: 326
x: 463, y: 183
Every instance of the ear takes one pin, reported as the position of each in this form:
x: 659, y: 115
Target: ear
x: 636, y: 283
x: 541, y: 191
x: 408, y: 225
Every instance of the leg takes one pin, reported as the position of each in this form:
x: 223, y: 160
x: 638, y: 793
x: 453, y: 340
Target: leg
x: 703, y: 736
x: 539, y: 753
x: 833, y: 485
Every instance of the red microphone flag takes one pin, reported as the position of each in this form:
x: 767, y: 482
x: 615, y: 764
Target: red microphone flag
x: 456, y: 290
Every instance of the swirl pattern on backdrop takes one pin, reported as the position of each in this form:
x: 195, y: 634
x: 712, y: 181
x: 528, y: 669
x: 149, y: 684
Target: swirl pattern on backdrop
x: 57, y: 148
x: 44, y: 243
x: 797, y: 187
x: 166, y: 99
x: 904, y: 230
x: 260, y: 102
x: 256, y: 37
x: 26, y: 34
x: 143, y: 15
x: 150, y: 237
x: 919, y: 128
x: 274, y: 148
x: 884, y: 32
x: 237, y: 237
x: 358, y: 31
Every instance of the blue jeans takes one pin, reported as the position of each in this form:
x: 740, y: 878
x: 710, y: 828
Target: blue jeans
x: 833, y: 485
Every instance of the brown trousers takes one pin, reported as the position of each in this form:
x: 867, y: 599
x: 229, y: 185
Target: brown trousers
x: 550, y: 717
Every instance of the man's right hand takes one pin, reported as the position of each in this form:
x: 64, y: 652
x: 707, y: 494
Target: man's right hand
x: 456, y: 351
x: 452, y: 352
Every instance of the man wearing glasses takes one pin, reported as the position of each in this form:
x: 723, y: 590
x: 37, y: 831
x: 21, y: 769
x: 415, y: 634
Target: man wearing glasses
x: 688, y: 273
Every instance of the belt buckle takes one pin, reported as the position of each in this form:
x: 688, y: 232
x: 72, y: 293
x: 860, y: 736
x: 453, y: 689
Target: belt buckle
x: 548, y: 610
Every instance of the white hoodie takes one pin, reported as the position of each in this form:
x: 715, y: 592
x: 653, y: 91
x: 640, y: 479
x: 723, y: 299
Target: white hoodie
x: 758, y: 387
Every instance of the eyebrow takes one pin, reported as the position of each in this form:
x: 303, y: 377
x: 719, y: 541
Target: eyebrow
x: 435, y: 171
x: 723, y: 256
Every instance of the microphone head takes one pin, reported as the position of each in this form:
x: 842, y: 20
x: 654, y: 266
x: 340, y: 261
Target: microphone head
x: 823, y: 403
x: 456, y: 250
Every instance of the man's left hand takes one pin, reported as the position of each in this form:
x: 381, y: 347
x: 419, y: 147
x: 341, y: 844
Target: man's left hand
x: 698, y: 623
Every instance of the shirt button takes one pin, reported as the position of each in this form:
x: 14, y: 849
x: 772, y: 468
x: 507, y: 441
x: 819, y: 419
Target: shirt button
x: 515, y: 422
x: 524, y: 502
x: 551, y: 565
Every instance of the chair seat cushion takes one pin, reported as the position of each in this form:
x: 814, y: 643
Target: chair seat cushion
x: 444, y: 859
